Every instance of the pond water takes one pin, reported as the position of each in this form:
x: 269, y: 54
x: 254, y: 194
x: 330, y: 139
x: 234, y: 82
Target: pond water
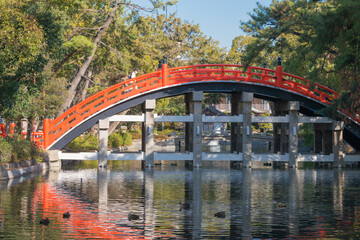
x: 258, y: 203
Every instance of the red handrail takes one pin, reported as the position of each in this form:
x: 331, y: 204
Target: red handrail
x: 178, y: 75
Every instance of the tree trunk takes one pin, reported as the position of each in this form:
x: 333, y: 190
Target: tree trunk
x: 76, y: 80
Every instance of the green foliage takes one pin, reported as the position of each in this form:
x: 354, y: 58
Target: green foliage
x: 213, y: 98
x: 127, y: 139
x: 318, y: 40
x: 80, y: 43
x: 307, y: 134
x: 84, y: 143
x: 17, y: 149
x: 5, y: 151
x: 115, y: 140
x: 170, y: 106
x: 136, y: 134
x: 119, y: 139
x: 44, y: 44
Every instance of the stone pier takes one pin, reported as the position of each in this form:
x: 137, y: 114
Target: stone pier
x: 327, y: 135
x: 148, y: 143
x: 103, y: 142
x: 193, y: 130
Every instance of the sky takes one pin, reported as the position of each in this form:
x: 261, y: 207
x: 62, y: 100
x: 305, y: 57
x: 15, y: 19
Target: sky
x: 219, y: 19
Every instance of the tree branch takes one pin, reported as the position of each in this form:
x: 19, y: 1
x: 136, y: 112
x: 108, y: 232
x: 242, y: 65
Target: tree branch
x: 77, y: 78
x: 111, y: 49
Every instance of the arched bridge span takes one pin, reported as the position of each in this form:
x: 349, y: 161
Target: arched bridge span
x: 264, y: 83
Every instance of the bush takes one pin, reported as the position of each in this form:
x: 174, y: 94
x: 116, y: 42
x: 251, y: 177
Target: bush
x: 119, y: 139
x: 17, y: 149
x: 115, y: 140
x: 5, y: 151
x: 161, y: 137
x: 136, y: 134
x: 84, y: 143
x: 127, y: 139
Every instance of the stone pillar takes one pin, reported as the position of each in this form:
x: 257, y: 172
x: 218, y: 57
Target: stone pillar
x: 328, y: 141
x: 338, y: 128
x: 103, y: 141
x: 294, y: 108
x: 246, y: 99
x: 188, y: 125
x: 193, y: 131
x: 53, y: 159
x: 236, y: 128
x: 317, y: 139
x: 281, y: 143
x: 148, y: 132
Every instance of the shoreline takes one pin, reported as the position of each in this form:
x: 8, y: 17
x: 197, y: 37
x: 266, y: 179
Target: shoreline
x: 16, y: 170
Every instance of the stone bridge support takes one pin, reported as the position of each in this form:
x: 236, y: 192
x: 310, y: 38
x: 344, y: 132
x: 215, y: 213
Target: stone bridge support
x: 327, y: 139
x: 286, y: 134
x: 103, y: 141
x: 281, y: 130
x: 294, y: 108
x: 193, y: 130
x: 241, y: 135
x: 338, y: 128
x: 148, y: 143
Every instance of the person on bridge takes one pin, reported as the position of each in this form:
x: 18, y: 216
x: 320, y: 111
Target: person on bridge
x: 133, y: 74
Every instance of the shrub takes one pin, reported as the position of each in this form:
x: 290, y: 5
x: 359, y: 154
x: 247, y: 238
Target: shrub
x: 84, y: 143
x: 5, y: 151
x: 17, y: 149
x: 127, y: 139
x: 136, y: 134
x: 115, y: 140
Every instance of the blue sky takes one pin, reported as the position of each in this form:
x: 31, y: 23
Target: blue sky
x: 219, y: 19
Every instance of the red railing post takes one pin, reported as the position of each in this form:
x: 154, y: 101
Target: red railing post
x: 164, y: 72
x: 46, y: 129
x: 12, y: 127
x: 264, y: 72
x: 279, y: 73
x: 2, y: 129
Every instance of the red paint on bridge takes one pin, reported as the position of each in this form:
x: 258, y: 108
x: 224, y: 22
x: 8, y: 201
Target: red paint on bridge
x: 165, y: 77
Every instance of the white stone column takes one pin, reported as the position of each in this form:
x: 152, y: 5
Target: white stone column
x: 197, y: 99
x: 246, y: 99
x: 148, y: 144
x: 193, y: 130
x: 103, y: 141
x: 338, y: 128
x: 294, y: 108
x: 236, y: 128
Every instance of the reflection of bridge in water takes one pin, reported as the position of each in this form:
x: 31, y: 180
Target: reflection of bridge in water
x: 242, y: 194
x: 295, y: 103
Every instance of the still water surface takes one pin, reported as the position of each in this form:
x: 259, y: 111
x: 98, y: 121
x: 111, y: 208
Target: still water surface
x: 258, y: 204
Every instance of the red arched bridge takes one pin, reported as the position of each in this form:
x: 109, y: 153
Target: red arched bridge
x: 262, y: 82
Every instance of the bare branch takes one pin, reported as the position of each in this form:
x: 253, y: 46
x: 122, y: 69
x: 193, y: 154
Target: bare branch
x: 135, y: 6
x: 86, y: 77
x: 83, y: 28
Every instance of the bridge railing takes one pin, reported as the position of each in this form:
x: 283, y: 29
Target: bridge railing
x: 54, y: 129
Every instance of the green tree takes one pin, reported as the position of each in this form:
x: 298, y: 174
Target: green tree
x: 318, y: 39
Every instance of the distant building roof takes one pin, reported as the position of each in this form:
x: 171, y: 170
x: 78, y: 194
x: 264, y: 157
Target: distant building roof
x: 212, y: 111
